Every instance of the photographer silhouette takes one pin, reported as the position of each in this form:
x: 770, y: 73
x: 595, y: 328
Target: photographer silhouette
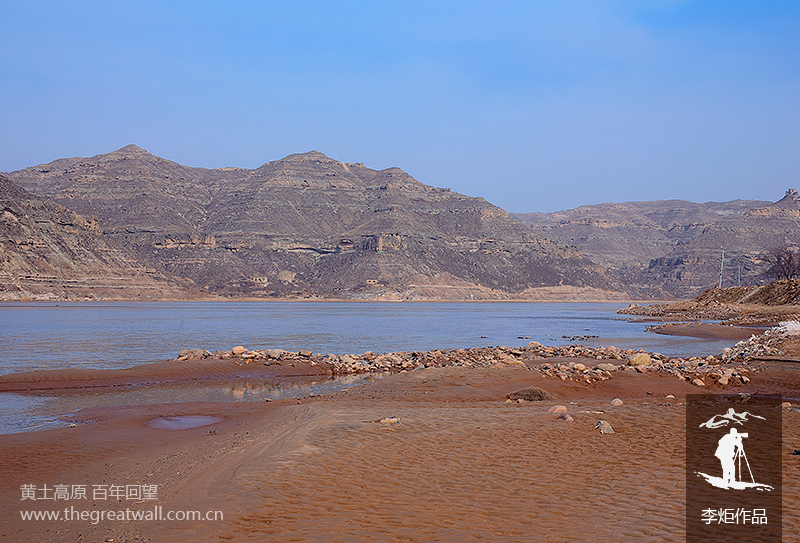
x: 728, y: 451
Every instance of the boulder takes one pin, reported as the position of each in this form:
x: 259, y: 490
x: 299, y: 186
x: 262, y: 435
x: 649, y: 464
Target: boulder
x: 640, y: 359
x: 272, y: 353
x: 607, y: 367
x: 238, y: 350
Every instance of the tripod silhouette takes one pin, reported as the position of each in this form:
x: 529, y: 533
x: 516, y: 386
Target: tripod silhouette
x: 737, y: 459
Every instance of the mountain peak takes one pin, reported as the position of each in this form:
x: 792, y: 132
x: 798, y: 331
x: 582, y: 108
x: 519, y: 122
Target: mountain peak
x: 132, y: 149
x: 309, y: 155
x: 790, y: 199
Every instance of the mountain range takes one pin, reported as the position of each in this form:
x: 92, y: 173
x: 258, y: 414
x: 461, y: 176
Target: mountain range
x: 308, y: 226
x: 674, y: 248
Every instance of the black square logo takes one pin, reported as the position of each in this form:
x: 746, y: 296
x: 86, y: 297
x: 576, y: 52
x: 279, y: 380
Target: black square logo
x: 733, y: 468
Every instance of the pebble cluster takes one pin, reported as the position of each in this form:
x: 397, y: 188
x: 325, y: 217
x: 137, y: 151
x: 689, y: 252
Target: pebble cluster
x: 699, y: 371
x: 764, y: 345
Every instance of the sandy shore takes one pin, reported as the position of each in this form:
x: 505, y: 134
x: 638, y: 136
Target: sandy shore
x: 452, y: 461
x: 706, y: 330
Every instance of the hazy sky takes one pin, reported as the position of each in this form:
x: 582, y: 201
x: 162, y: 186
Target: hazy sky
x: 536, y: 106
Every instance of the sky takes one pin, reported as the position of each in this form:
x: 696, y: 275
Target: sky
x: 533, y: 105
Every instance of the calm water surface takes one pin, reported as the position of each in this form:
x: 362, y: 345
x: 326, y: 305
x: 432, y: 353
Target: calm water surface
x: 122, y: 334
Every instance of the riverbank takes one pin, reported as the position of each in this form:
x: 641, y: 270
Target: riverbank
x: 437, y: 453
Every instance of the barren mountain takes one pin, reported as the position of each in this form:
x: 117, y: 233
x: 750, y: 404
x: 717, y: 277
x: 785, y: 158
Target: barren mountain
x: 50, y: 252
x: 311, y: 226
x: 675, y: 246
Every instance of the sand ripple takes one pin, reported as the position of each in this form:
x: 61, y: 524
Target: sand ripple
x: 475, y: 472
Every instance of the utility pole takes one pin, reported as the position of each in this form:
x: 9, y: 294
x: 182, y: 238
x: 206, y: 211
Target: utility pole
x: 721, y: 263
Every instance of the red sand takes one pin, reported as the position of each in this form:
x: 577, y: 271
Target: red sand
x: 459, y: 465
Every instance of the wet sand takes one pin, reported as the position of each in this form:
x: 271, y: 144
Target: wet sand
x: 159, y: 372
x: 707, y: 331
x: 452, y: 461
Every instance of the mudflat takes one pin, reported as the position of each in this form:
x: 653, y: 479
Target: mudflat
x: 435, y: 454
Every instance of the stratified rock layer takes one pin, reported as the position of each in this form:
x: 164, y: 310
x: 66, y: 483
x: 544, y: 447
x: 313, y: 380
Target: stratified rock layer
x: 49, y: 252
x: 311, y: 226
x: 674, y: 248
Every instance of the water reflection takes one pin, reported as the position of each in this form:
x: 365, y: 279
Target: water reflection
x: 41, y: 410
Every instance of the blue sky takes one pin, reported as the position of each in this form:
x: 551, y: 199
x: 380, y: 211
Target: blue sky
x: 536, y: 106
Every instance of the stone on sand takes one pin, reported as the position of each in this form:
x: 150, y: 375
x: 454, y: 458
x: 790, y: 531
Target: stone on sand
x: 565, y: 416
x: 604, y: 427
x: 193, y: 353
x: 616, y: 401
x: 558, y: 409
x: 699, y: 383
x: 238, y: 350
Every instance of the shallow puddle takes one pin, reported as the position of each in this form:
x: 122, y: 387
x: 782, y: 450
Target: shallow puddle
x: 183, y: 422
x: 42, y: 410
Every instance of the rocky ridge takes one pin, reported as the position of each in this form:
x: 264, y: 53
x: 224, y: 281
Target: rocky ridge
x: 309, y: 226
x: 674, y: 248
x: 48, y: 252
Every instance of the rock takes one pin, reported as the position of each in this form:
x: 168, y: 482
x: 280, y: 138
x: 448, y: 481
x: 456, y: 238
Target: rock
x: 616, y: 401
x: 786, y: 405
x: 273, y: 353
x: 565, y: 416
x: 723, y: 381
x: 193, y: 353
x: 238, y: 350
x: 604, y: 427
x: 390, y: 420
x: 558, y: 409
x: 744, y: 379
x: 579, y: 366
x: 699, y: 382
x: 641, y: 368
x: 533, y: 394
x: 640, y: 359
x: 670, y: 396
x: 306, y: 354
x: 607, y: 367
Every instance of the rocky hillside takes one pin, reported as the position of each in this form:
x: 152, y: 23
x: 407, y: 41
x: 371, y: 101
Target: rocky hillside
x: 50, y: 252
x: 762, y: 305
x: 674, y: 248
x: 311, y: 226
